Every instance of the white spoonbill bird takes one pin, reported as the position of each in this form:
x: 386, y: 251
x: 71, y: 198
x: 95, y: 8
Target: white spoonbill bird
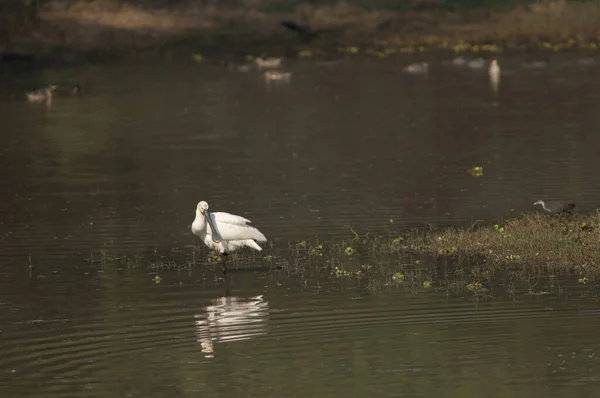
x: 225, y: 232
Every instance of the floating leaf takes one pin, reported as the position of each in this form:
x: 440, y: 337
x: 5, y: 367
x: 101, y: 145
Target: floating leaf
x: 348, y: 50
x: 304, y: 54
x: 398, y: 277
x: 476, y: 171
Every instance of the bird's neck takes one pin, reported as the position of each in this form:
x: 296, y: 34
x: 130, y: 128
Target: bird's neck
x: 200, y: 219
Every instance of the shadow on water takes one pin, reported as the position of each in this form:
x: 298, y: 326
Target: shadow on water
x: 354, y: 144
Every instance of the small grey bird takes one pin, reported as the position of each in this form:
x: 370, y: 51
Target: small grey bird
x: 556, y: 207
x: 417, y: 67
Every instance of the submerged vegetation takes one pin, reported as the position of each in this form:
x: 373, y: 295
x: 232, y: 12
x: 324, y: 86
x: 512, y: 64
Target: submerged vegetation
x: 348, y: 27
x: 517, y: 251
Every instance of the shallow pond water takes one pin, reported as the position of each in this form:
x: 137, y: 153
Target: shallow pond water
x: 351, y: 144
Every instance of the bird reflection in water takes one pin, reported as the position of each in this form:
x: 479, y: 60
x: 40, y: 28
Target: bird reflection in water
x: 231, y: 319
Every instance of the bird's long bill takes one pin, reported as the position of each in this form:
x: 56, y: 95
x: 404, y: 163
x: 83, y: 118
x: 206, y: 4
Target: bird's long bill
x: 216, y: 236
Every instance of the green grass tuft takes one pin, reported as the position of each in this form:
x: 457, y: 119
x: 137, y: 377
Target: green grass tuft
x: 538, y: 240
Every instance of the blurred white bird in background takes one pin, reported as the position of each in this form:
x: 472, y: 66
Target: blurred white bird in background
x: 494, y: 72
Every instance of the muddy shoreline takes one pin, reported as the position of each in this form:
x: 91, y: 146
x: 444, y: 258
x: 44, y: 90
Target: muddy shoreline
x: 74, y: 32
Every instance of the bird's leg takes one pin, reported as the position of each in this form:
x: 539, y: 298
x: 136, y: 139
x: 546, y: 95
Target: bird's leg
x: 223, y: 257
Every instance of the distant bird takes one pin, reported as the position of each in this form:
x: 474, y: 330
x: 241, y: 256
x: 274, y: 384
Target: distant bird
x: 418, y: 67
x: 494, y: 68
x: 42, y: 94
x: 225, y: 232
x: 586, y: 61
x: 76, y: 90
x: 268, y: 62
x: 536, y: 64
x: 459, y: 61
x: 305, y: 34
x: 478, y: 63
x: 237, y: 67
x: 556, y: 207
x: 494, y: 72
x: 276, y: 75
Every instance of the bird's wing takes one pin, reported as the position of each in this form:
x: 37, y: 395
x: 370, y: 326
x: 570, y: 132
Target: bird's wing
x: 232, y: 227
x: 226, y: 218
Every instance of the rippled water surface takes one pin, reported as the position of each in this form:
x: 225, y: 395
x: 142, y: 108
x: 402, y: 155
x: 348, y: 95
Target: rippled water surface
x: 350, y: 144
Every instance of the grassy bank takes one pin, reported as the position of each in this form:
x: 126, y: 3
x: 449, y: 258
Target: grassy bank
x: 532, y: 255
x: 567, y: 243
x: 379, y: 29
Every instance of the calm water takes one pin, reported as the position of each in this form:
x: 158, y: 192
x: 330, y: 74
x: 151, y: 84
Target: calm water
x: 353, y: 144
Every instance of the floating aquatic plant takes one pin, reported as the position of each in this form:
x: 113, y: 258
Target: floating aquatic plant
x: 342, y: 273
x: 474, y: 286
x: 376, y: 53
x: 398, y: 277
x: 213, y: 258
x: 588, y: 46
x: 348, y: 50
x: 316, y: 250
x: 397, y: 241
x: 461, y: 46
x: 305, y: 53
x: 349, y: 251
x: 156, y: 279
x: 197, y: 57
x: 476, y: 171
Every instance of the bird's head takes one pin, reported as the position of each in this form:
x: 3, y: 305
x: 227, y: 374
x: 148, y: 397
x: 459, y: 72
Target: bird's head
x: 539, y: 202
x: 202, y: 207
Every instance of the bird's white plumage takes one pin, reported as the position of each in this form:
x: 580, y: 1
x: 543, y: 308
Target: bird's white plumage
x: 494, y: 73
x: 232, y: 227
x: 234, y: 231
